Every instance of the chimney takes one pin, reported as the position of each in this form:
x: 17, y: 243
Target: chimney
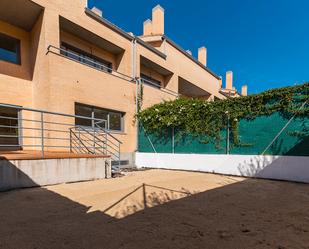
x: 229, y: 80
x: 147, y: 27
x: 244, y: 90
x: 202, y: 56
x: 97, y: 11
x: 158, y: 20
x: 189, y: 52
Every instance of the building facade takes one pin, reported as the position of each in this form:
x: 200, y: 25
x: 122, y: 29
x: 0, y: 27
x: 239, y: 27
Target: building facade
x: 61, y: 56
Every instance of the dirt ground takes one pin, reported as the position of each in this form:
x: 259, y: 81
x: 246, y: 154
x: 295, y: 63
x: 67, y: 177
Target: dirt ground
x: 158, y: 209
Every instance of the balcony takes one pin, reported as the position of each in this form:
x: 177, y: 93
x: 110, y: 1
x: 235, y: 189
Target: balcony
x: 191, y: 90
x: 154, y: 84
x: 89, y: 62
x: 13, y: 12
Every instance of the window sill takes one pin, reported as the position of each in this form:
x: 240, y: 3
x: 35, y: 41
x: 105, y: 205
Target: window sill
x: 10, y: 62
x: 118, y: 132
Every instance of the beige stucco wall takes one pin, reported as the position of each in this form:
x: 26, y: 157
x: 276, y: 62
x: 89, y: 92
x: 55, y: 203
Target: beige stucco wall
x: 50, y: 82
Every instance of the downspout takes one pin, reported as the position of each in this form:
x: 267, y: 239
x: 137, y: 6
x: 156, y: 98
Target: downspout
x: 136, y: 79
x: 134, y: 58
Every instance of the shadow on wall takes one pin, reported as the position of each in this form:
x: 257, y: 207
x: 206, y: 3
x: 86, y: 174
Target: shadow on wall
x: 300, y: 149
x: 278, y: 168
x: 11, y: 177
x: 250, y: 214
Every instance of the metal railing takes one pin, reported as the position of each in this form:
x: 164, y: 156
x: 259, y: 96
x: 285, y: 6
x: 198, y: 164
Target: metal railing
x: 159, y: 87
x: 103, y: 68
x: 87, y: 62
x: 94, y: 140
x: 39, y: 130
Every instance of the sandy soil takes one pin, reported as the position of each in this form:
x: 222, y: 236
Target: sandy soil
x: 158, y: 209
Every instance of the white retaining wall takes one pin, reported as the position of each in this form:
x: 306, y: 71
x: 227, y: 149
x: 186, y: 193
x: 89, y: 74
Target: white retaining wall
x: 29, y: 173
x: 291, y: 168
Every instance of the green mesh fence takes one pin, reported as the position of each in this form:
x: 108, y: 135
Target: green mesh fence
x: 255, y: 136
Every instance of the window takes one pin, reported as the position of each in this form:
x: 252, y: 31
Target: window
x: 114, y: 118
x: 8, y: 127
x: 9, y: 49
x: 150, y: 81
x: 86, y: 58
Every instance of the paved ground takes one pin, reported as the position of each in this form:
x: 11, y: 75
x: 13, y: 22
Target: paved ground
x: 158, y: 209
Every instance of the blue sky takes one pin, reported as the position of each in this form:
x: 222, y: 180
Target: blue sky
x: 264, y: 42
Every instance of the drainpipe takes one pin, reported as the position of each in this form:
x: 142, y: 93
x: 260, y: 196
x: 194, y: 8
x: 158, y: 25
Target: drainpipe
x: 136, y: 79
x: 134, y: 58
x: 228, y: 133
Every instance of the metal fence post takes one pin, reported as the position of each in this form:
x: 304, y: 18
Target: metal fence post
x: 228, y: 134
x: 79, y: 143
x: 105, y: 135
x: 119, y: 155
x: 94, y: 139
x: 20, y: 131
x: 173, y: 140
x: 70, y: 140
x: 42, y: 134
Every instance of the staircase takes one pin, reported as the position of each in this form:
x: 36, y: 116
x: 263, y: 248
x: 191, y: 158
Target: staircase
x: 97, y: 141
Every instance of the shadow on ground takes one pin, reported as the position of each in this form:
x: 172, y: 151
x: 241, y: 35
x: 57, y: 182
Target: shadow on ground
x: 247, y: 214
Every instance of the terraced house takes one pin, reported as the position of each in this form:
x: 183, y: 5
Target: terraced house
x: 62, y: 57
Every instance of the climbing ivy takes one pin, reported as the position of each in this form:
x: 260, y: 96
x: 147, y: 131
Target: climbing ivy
x: 201, y: 118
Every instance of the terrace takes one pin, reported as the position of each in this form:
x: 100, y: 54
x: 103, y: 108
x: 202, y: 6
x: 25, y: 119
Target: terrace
x: 158, y: 209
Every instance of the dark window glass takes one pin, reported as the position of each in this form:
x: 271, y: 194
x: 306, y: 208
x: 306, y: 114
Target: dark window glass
x: 150, y: 81
x: 8, y: 127
x: 85, y: 111
x: 9, y: 49
x: 101, y: 114
x: 114, y: 119
x: 86, y: 58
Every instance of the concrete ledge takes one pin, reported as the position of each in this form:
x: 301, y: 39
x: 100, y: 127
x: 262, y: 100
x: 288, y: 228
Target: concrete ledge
x: 29, y: 173
x: 289, y: 168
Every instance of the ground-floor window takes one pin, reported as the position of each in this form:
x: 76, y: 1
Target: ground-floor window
x: 9, y: 137
x: 114, y: 119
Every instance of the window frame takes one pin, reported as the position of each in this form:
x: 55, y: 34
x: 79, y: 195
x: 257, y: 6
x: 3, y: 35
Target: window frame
x: 109, y: 111
x: 17, y: 49
x: 86, y: 58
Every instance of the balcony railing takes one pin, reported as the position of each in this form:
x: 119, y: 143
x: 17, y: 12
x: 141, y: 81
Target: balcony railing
x: 157, y: 86
x: 87, y: 62
x: 103, y: 68
x: 38, y: 130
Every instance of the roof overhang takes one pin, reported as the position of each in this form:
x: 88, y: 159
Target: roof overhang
x: 171, y: 42
x: 107, y: 23
x: 189, y: 89
x: 87, y: 35
x: 157, y: 38
x: 20, y: 13
x: 159, y: 69
x: 230, y: 93
x: 151, y: 38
